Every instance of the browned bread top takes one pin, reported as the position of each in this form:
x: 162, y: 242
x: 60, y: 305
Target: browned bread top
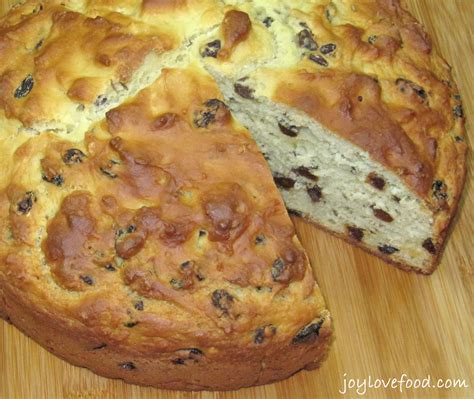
x: 162, y: 229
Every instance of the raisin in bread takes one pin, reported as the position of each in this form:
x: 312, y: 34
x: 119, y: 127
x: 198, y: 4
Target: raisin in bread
x: 358, y: 117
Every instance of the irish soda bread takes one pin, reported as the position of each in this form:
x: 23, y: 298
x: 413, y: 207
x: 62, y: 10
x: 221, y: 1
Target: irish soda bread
x: 143, y: 235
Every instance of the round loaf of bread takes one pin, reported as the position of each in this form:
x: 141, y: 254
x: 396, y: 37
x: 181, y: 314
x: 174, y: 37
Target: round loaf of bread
x: 143, y: 143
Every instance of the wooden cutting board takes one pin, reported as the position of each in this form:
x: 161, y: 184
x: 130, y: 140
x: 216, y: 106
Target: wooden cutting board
x: 387, y: 322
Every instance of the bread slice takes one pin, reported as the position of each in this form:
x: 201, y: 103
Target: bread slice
x: 158, y: 249
x: 358, y: 118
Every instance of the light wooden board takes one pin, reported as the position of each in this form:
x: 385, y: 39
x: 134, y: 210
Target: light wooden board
x: 387, y: 322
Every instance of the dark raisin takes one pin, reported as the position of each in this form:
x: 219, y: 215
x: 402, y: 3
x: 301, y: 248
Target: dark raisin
x: 438, y: 185
x: 26, y: 204
x: 439, y: 190
x: 57, y: 180
x: 138, y: 305
x: 38, y: 9
x: 185, y: 265
x: 127, y: 366
x: 211, y: 49
x: 202, y: 233
x: 355, y: 233
x: 420, y: 92
x: 131, y: 324
x: 315, y: 193
x: 131, y: 229
x: 222, y: 300
x: 328, y: 48
x: 318, y: 59
x: 289, y: 130
x: 285, y: 183
x: 330, y: 11
x: 376, y: 181
x: 382, y: 215
x: 305, y: 172
x: 259, y: 336
x: 100, y: 100
x: 458, y: 111
x: 110, y: 267
x: 176, y: 283
x: 73, y: 156
x: 294, y: 212
x: 264, y: 332
x: 429, y: 246
x: 87, y: 279
x: 372, y: 39
x: 388, y: 249
x: 260, y: 239
x: 457, y: 97
x: 268, y: 21
x: 244, y: 91
x: 108, y: 173
x: 39, y: 44
x: 208, y: 116
x: 204, y: 120
x: 200, y: 277
x: 195, y: 354
x: 306, y: 40
x: 459, y: 139
x: 308, y: 333
x: 403, y: 83
x: 360, y: 98
x: 99, y: 347
x: 25, y: 87
x: 278, y: 267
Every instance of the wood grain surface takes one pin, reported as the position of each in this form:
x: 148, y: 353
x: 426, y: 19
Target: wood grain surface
x: 387, y: 322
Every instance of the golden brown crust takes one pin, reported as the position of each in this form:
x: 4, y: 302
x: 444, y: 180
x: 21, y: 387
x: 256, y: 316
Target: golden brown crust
x: 164, y: 233
x: 236, y: 367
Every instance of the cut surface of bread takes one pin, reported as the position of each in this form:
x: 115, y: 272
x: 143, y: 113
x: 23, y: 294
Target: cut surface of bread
x: 143, y: 235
